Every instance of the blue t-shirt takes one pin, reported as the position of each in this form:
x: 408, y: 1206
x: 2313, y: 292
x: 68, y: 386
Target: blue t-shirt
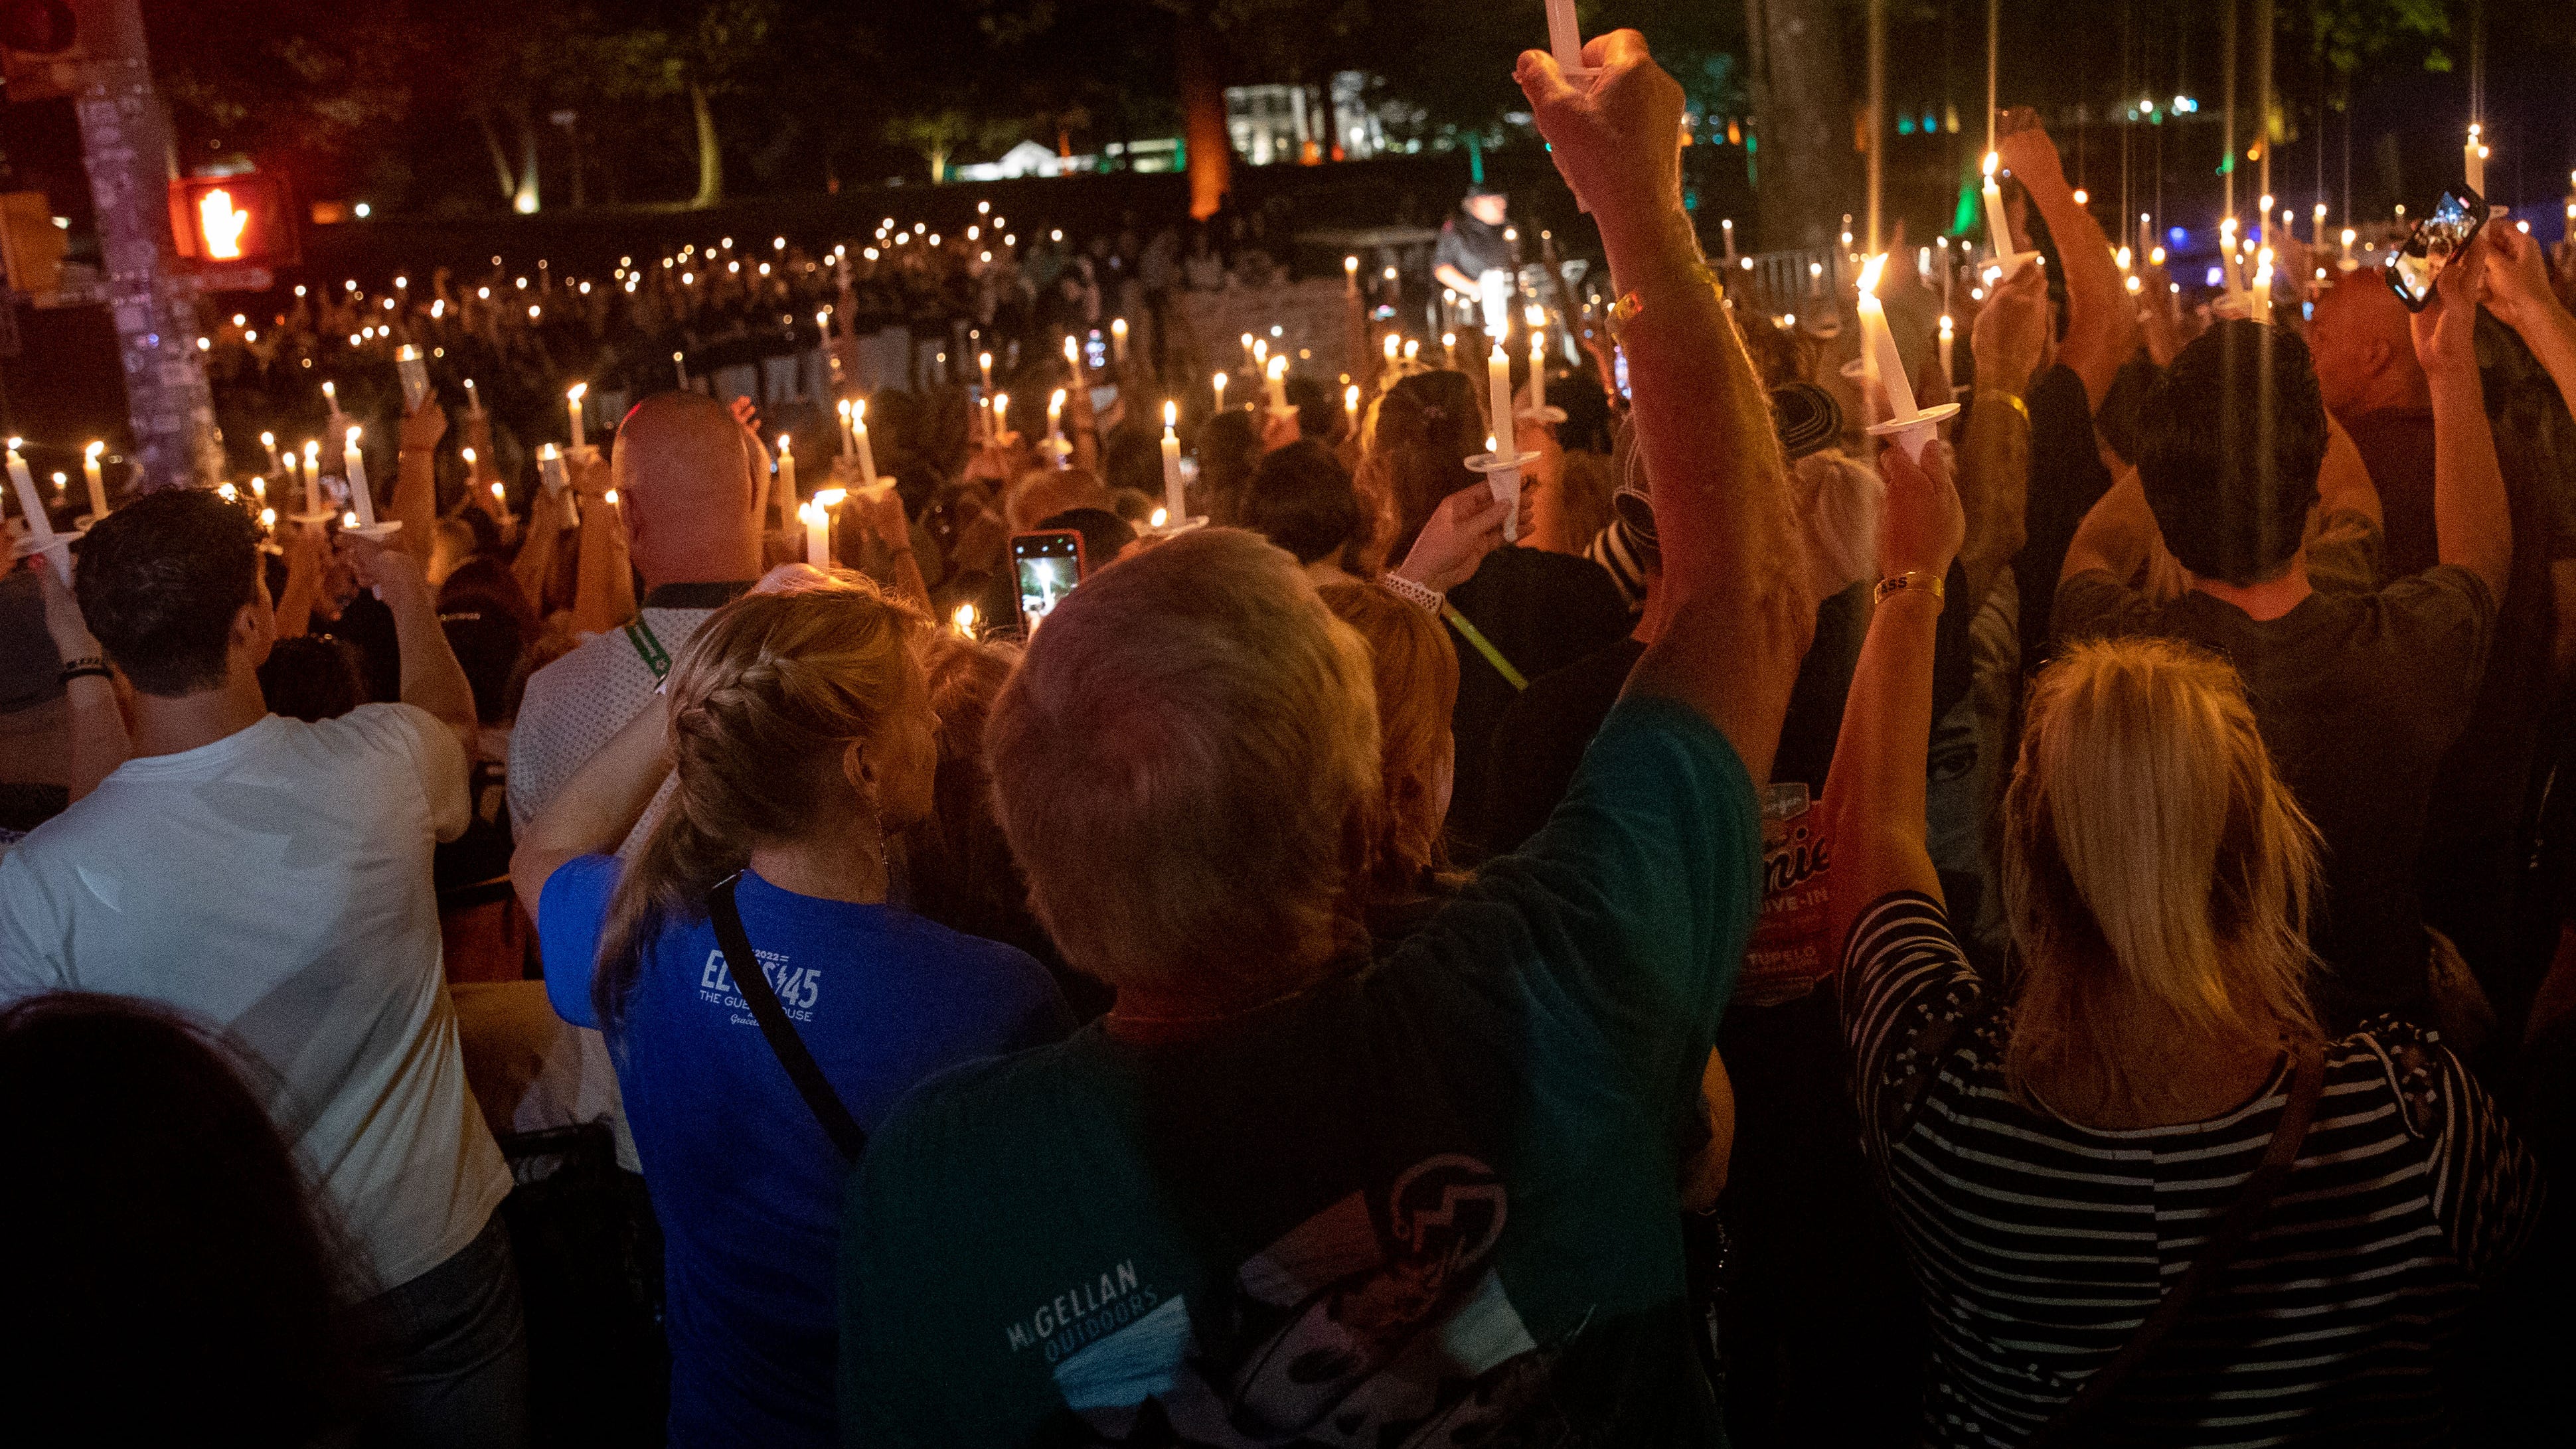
x: 745, y: 1182
x: 1435, y: 1200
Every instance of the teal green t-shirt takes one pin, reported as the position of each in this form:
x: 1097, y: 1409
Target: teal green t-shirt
x: 1432, y: 1201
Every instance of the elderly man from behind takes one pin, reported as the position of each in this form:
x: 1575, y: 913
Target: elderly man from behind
x: 1284, y: 1195
x: 685, y: 471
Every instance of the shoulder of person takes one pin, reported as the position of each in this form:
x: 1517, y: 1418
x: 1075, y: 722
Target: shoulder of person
x: 944, y: 1127
x: 2409, y: 1062
x: 2443, y: 596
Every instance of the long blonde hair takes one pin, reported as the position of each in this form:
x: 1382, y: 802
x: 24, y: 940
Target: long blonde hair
x: 2156, y: 872
x: 1415, y: 668
x: 764, y: 699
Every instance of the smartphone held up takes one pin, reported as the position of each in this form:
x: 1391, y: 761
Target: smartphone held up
x: 2443, y: 234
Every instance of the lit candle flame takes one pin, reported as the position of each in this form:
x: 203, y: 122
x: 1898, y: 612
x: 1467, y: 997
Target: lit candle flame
x: 1159, y: 518
x: 1171, y: 415
x: 574, y: 392
x: 964, y: 620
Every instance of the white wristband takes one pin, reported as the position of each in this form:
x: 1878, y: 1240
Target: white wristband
x: 1421, y: 596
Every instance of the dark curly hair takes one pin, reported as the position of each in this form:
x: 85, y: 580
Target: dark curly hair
x: 1302, y: 500
x: 2229, y: 442
x: 159, y: 583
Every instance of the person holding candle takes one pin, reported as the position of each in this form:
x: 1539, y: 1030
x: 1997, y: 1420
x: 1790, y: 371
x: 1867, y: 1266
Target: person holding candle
x: 682, y: 470
x: 1471, y: 242
x: 2100, y: 330
x: 2358, y: 693
x: 1160, y: 837
x: 796, y: 743
x: 140, y: 889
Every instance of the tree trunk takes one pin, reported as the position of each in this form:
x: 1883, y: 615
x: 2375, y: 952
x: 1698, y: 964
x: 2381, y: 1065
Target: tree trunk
x: 125, y: 145
x: 710, y: 156
x: 1203, y: 131
x: 526, y: 201
x: 500, y: 157
x: 1802, y: 111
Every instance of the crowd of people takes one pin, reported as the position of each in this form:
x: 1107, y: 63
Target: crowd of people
x: 1764, y: 933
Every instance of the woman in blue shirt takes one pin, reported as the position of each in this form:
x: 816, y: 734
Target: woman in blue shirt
x: 798, y: 737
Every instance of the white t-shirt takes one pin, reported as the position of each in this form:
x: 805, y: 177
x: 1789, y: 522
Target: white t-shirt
x: 276, y: 885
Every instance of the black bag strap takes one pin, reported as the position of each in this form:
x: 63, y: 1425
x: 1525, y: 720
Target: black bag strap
x: 2307, y: 1083
x: 801, y: 1067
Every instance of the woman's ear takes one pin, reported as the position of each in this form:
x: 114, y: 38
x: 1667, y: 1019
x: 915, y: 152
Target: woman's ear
x: 858, y: 769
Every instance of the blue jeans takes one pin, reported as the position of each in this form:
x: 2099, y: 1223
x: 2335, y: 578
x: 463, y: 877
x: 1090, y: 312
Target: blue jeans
x: 454, y: 1348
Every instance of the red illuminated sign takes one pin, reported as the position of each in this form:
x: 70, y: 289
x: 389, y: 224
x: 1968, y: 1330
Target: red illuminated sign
x: 224, y: 221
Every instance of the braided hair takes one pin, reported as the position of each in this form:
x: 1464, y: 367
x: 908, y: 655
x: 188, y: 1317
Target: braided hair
x: 764, y: 700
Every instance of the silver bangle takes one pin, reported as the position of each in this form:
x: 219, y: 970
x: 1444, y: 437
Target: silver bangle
x: 1420, y: 596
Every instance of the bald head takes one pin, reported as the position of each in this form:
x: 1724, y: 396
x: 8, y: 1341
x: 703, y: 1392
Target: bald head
x: 2365, y: 349
x: 684, y: 476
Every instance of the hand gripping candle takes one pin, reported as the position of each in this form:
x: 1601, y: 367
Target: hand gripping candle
x: 40, y: 528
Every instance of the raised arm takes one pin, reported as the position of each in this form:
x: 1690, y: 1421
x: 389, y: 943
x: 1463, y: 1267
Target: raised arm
x: 596, y: 807
x: 1874, y: 796
x: 2519, y: 294
x: 1740, y: 617
x: 416, y: 478
x: 2008, y: 337
x: 431, y: 677
x: 2101, y: 322
x: 98, y: 740
x: 2471, y: 527
x: 604, y: 581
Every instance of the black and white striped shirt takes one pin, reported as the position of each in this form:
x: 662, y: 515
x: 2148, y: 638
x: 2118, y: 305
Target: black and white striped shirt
x: 2040, y: 1246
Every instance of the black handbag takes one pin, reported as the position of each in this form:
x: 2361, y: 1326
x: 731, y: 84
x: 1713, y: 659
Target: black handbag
x: 802, y: 1069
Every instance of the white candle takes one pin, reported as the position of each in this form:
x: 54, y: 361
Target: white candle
x: 844, y: 407
x: 1248, y: 364
x: 1946, y: 373
x: 572, y: 413
x: 1218, y: 382
x: 818, y: 526
x: 859, y: 435
x: 1073, y: 354
x: 1351, y: 276
x: 268, y: 445
x: 1055, y: 426
x: 97, y: 480
x: 40, y: 529
x: 1505, y: 483
x: 331, y: 395
x: 1564, y: 39
x: 1538, y: 372
x: 415, y: 376
x: 1001, y: 415
x: 1494, y: 292
x: 1498, y: 388
x: 550, y: 468
x: 2473, y: 159
x: 473, y: 399
x: 1351, y: 405
x: 1727, y: 227
x: 2263, y: 287
x: 1449, y: 350
x: 1278, y: 375
x: 1998, y: 227
x: 1175, y: 507
x: 1118, y: 340
x: 2227, y: 257
x: 361, y: 498
x: 1885, y: 360
x: 786, y: 477
x: 680, y: 369
x: 984, y: 365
